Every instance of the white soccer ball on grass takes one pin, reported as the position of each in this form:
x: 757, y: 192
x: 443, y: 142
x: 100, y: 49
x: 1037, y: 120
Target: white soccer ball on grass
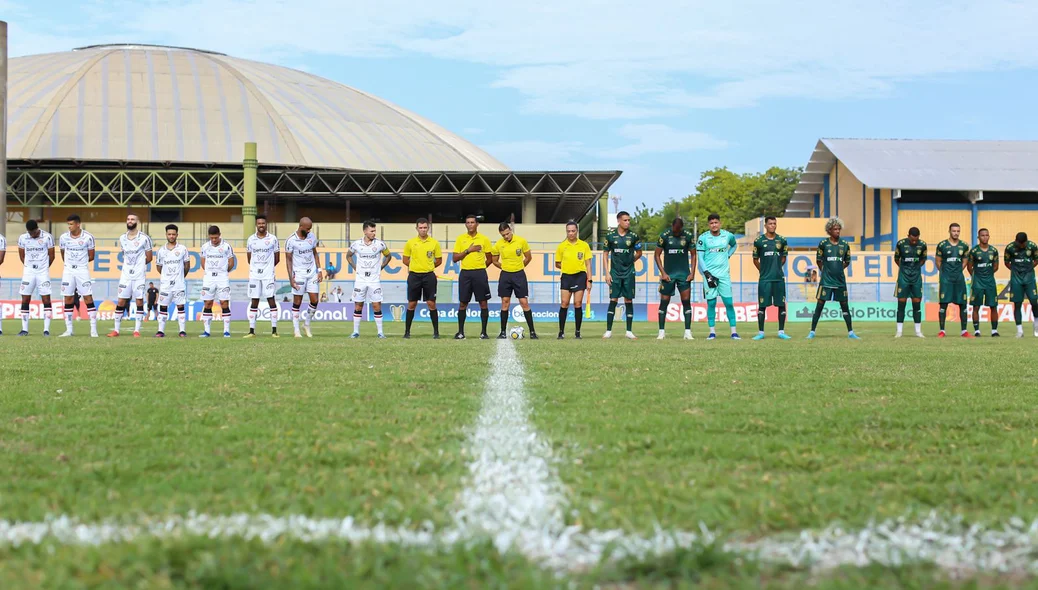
x: 517, y: 333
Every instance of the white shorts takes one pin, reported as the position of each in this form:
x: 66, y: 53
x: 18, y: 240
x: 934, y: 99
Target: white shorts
x: 131, y: 288
x: 218, y: 287
x: 172, y: 294
x: 368, y: 292
x: 305, y: 284
x: 77, y: 281
x: 33, y: 282
x: 262, y: 288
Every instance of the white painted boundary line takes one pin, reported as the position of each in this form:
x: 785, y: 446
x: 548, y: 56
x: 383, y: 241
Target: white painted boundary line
x: 515, y: 498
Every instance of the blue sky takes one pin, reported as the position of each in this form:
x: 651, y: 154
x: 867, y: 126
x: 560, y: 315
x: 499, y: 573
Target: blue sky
x: 660, y: 90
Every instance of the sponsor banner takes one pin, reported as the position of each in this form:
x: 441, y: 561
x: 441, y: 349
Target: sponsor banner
x: 10, y: 309
x: 875, y: 267
x: 884, y: 311
x: 744, y: 312
x: 1005, y: 313
x: 397, y: 312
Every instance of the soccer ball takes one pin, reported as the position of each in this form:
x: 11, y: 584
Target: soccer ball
x: 517, y: 333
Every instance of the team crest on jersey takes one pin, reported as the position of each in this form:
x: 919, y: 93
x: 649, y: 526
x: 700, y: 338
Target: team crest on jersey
x: 580, y: 256
x: 918, y: 251
x: 429, y: 254
x: 627, y: 241
x: 682, y: 242
x: 518, y: 251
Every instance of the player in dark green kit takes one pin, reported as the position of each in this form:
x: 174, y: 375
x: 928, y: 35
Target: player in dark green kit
x: 833, y: 257
x: 672, y: 262
x: 951, y: 254
x: 769, y: 256
x: 1021, y: 258
x: 910, y: 256
x: 982, y: 263
x: 622, y: 249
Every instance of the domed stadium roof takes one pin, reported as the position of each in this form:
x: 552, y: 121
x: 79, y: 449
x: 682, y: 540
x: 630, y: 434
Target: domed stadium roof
x: 164, y: 104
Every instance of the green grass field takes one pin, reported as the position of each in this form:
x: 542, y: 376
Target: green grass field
x: 752, y: 440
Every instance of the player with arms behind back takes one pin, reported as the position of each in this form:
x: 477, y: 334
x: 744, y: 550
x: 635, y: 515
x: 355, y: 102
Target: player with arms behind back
x: 833, y: 257
x: 673, y: 249
x: 910, y: 256
x: 303, y: 273
x: 1021, y: 258
x: 372, y: 256
x: 217, y: 262
x: 623, y: 248
x: 77, y: 251
x: 769, y: 256
x: 951, y: 256
x: 983, y: 264
x: 263, y: 252
x: 137, y: 255
x: 173, y: 263
x: 715, y: 248
x: 36, y: 251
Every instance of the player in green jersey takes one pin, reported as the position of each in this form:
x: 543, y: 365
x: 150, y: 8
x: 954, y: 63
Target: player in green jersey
x: 622, y: 249
x: 1021, y: 258
x: 950, y: 256
x: 769, y: 256
x: 833, y: 257
x: 673, y: 250
x: 910, y: 256
x: 982, y: 263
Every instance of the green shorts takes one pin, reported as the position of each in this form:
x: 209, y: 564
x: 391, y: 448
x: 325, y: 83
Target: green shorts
x: 832, y: 294
x: 771, y: 293
x: 954, y: 293
x: 667, y: 288
x: 984, y: 296
x: 909, y: 290
x: 1025, y: 291
x: 622, y: 288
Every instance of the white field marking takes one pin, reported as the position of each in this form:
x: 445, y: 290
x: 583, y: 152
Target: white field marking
x: 515, y: 498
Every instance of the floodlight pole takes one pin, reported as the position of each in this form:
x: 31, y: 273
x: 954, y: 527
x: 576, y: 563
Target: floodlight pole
x: 3, y: 127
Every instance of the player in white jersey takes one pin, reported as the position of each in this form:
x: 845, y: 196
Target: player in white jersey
x: 77, y: 252
x: 137, y: 254
x: 217, y: 262
x: 3, y: 254
x: 173, y: 262
x: 372, y: 256
x: 263, y: 252
x: 36, y: 251
x: 304, y: 274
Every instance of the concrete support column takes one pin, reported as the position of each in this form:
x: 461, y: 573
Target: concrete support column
x: 603, y: 219
x: 248, y: 208
x: 291, y: 211
x: 3, y: 128
x: 529, y: 209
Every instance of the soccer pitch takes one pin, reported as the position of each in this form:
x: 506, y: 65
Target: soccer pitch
x: 328, y: 462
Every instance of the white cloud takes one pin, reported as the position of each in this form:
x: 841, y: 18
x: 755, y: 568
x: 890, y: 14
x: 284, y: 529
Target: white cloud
x: 657, y: 139
x: 534, y: 154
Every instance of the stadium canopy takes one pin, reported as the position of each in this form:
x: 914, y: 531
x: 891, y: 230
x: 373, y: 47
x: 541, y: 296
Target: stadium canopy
x: 122, y: 125
x: 923, y: 165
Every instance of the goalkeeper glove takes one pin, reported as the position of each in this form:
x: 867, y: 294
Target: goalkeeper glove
x: 711, y: 280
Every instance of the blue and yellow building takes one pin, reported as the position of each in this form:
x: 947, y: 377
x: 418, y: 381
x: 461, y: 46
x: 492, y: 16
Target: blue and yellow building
x: 881, y: 187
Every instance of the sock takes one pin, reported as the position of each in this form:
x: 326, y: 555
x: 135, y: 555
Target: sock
x: 163, y: 316
x: 138, y: 319
x: 663, y: 313
x: 901, y: 305
x: 782, y: 318
x: 761, y: 312
x: 309, y: 315
x: 182, y: 318
x: 118, y: 316
x: 629, y: 309
x: 1018, y: 314
x: 578, y: 316
x: 711, y: 313
x: 92, y: 314
x: 409, y: 321
x: 47, y: 317
x: 609, y: 316
x: 976, y: 319
x: 1034, y: 312
x: 274, y: 310
x: 529, y: 319
x: 461, y: 320
x: 25, y: 317
x: 356, y: 321
x: 435, y: 317
x: 942, y: 314
x: 962, y: 318
x: 378, y: 321
x: 207, y: 320
x: 562, y: 319
x: 917, y: 315
x: 69, y: 310
x: 686, y: 308
x: 295, y: 318
x: 226, y: 320
x: 994, y: 318
x: 253, y: 312
x: 504, y: 320
x: 817, y: 315
x: 846, y: 309
x: 729, y: 308
x: 484, y: 317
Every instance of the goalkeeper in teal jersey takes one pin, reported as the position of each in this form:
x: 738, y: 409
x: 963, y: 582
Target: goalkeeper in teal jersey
x: 713, y: 249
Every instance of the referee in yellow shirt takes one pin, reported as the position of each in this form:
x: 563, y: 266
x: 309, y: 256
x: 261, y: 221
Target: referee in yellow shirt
x: 422, y: 256
x: 511, y: 255
x: 573, y: 257
x: 473, y: 250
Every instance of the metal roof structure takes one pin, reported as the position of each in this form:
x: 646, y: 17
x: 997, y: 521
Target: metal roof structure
x: 918, y: 164
x: 130, y: 103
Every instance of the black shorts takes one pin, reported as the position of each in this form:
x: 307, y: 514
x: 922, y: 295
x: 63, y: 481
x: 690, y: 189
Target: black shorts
x: 421, y: 286
x: 577, y: 282
x: 513, y: 283
x: 473, y: 284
